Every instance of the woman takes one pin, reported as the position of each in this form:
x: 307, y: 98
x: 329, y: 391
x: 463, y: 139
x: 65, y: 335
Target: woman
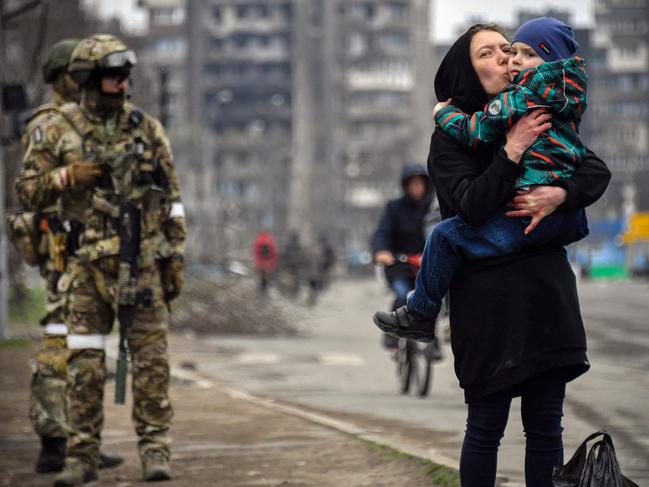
x: 515, y: 320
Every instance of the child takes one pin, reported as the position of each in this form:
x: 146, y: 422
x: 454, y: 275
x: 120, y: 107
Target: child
x: 545, y: 75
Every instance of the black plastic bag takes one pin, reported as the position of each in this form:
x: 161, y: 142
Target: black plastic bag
x: 595, y: 468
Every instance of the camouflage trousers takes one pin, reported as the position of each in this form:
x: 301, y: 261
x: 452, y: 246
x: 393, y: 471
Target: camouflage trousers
x: 90, y: 317
x: 47, y: 402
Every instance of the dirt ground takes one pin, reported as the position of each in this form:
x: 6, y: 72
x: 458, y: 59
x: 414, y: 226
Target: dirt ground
x: 217, y: 441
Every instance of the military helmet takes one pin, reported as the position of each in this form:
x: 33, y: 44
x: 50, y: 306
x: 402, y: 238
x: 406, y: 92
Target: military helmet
x: 58, y: 58
x: 100, y: 52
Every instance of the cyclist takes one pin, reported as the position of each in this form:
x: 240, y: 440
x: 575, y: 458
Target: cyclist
x: 402, y: 231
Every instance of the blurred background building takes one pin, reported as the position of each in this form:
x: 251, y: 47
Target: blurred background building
x: 308, y: 110
x: 299, y: 114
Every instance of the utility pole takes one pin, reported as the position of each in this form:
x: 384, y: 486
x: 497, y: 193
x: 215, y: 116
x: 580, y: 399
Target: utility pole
x: 4, y: 268
x: 302, y: 153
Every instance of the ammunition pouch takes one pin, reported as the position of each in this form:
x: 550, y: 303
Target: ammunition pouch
x: 24, y: 233
x: 63, y: 240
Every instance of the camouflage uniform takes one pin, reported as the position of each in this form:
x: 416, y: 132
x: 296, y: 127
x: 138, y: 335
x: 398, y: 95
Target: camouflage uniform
x: 137, y: 164
x: 49, y: 379
x: 47, y: 408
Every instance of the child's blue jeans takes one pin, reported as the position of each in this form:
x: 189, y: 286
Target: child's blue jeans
x: 452, y: 240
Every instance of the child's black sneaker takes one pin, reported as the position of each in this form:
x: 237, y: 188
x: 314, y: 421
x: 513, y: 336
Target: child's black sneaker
x: 406, y: 323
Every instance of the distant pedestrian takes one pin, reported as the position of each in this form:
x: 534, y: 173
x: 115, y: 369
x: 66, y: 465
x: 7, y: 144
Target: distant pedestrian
x: 328, y: 260
x: 292, y: 261
x: 319, y: 259
x: 264, y: 251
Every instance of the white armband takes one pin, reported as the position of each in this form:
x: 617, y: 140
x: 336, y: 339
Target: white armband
x: 177, y: 210
x: 55, y: 329
x: 81, y: 342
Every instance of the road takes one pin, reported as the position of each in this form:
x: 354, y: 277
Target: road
x: 338, y: 367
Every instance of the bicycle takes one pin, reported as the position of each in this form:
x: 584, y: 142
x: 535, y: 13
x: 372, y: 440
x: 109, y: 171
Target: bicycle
x: 415, y: 359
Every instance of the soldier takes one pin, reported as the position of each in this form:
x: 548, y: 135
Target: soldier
x: 94, y: 160
x: 49, y: 379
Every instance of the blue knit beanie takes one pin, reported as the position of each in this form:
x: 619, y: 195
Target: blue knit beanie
x: 549, y: 37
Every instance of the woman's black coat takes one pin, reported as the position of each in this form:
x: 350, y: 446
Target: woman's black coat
x: 515, y: 316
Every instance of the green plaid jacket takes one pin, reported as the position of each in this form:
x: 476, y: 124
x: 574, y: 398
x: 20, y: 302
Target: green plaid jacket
x: 559, y: 86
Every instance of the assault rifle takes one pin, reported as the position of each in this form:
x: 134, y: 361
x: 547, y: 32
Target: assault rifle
x: 129, y: 248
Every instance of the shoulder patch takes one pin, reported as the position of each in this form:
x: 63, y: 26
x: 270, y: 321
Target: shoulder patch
x: 37, y: 135
x: 494, y: 108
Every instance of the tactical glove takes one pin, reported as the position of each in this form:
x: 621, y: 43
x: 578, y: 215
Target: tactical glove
x: 173, y: 277
x: 75, y: 174
x: 82, y: 173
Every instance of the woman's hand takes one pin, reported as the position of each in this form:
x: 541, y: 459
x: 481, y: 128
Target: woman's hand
x: 538, y: 203
x: 524, y: 132
x: 384, y: 257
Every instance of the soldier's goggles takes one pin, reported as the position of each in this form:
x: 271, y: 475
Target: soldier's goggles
x: 121, y: 59
x: 117, y: 75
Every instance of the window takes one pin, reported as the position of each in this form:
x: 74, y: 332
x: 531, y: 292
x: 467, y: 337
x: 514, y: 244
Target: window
x: 397, y: 11
x: 169, y: 15
x: 171, y: 46
x: 263, y: 10
x: 394, y: 43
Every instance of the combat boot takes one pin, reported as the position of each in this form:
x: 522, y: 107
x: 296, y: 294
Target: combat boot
x: 75, y: 473
x: 52, y: 455
x: 109, y: 461
x: 155, y: 466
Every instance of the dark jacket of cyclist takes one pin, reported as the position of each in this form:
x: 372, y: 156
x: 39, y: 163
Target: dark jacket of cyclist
x: 401, y: 229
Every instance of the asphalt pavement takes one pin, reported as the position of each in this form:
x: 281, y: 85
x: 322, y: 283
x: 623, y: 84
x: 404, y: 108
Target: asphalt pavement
x: 338, y: 370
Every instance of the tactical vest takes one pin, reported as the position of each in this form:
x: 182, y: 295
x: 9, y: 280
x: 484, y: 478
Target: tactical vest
x: 129, y: 173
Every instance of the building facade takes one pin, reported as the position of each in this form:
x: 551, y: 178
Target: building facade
x: 619, y: 101
x: 308, y: 110
x: 382, y: 69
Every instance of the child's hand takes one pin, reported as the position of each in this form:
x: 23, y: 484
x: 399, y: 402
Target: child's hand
x: 440, y: 105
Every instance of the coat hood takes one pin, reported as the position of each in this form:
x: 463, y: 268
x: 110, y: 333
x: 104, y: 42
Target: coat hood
x: 456, y: 78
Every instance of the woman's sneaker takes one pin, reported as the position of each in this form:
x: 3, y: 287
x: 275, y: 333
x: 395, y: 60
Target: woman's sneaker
x: 406, y: 323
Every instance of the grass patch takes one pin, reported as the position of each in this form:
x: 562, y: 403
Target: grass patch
x: 29, y: 308
x: 13, y: 343
x: 439, y: 475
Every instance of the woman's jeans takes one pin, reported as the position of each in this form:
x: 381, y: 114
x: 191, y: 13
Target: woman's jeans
x: 452, y: 240
x: 541, y: 410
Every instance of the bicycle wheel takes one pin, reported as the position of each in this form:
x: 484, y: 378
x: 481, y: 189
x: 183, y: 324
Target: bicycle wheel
x: 423, y: 370
x: 404, y: 366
